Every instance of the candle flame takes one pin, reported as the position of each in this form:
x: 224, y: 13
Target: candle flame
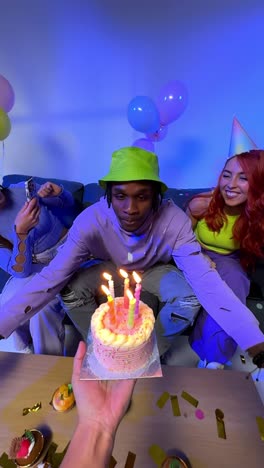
x: 107, y: 276
x: 123, y: 273
x: 136, y: 277
x: 105, y: 290
x: 129, y: 294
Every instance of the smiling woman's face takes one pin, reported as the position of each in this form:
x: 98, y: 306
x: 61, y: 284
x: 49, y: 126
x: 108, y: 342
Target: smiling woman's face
x: 132, y: 203
x: 233, y: 184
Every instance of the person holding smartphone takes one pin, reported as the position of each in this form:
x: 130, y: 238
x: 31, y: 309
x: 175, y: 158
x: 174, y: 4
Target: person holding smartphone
x: 30, y: 235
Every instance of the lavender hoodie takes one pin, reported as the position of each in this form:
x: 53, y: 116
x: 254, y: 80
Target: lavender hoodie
x: 166, y: 234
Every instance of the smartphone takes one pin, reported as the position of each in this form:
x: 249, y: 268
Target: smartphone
x: 31, y: 189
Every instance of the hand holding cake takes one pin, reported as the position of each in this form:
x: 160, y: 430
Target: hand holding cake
x: 101, y: 406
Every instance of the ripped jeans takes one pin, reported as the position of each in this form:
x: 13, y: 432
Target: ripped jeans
x: 179, y: 305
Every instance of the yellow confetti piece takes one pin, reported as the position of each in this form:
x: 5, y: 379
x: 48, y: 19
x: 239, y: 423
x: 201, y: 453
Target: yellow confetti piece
x: 175, y: 405
x: 220, y: 423
x: 112, y: 462
x: 6, y: 462
x: 130, y: 461
x: 157, y: 454
x: 190, y: 399
x: 260, y: 423
x: 33, y: 409
x: 163, y: 399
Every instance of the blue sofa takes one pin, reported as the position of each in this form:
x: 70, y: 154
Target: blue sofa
x: 85, y: 195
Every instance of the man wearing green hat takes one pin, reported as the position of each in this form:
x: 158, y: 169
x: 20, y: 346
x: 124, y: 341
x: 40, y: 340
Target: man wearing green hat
x: 133, y: 228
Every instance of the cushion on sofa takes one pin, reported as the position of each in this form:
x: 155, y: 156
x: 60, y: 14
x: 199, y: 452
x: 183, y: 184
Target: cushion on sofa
x: 181, y: 197
x: 92, y: 193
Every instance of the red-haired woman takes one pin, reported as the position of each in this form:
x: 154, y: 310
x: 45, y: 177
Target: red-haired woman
x: 229, y: 224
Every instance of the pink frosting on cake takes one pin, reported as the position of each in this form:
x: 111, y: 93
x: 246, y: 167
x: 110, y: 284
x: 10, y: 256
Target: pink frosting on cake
x: 117, y: 347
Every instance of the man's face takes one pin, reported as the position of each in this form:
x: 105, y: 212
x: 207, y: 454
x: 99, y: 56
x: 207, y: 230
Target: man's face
x: 132, y: 203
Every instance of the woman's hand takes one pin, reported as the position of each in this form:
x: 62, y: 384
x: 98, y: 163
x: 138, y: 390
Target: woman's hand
x: 27, y: 217
x: 210, y: 261
x: 49, y: 189
x: 100, y: 403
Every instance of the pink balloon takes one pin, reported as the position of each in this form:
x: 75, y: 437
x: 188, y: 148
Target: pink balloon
x: 172, y: 101
x: 145, y: 144
x: 7, y: 95
x: 159, y: 134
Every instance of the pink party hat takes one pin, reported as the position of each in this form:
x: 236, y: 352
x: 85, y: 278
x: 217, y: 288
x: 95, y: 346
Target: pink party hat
x: 240, y: 141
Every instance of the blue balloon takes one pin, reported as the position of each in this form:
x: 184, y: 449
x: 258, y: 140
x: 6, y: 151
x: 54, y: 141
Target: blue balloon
x: 143, y: 114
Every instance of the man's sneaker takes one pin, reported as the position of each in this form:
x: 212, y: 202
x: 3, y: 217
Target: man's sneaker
x: 203, y: 364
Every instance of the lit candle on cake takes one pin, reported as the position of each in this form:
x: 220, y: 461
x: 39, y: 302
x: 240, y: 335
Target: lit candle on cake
x: 110, y: 284
x: 137, y: 291
x: 126, y: 286
x: 131, y: 309
x: 110, y: 301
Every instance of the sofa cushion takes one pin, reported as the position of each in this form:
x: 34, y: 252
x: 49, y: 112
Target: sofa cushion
x: 92, y: 193
x: 67, y: 215
x: 181, y: 197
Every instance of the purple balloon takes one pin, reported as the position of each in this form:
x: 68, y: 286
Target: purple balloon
x: 145, y: 144
x: 143, y: 114
x: 159, y: 134
x: 172, y: 101
x: 7, y: 95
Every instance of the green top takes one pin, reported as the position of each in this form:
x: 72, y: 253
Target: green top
x: 221, y: 242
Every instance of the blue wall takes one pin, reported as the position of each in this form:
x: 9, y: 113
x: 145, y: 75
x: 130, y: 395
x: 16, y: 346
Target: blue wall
x: 76, y: 64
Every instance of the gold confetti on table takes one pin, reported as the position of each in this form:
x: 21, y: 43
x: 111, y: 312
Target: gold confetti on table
x: 190, y: 399
x: 220, y: 423
x: 175, y: 405
x: 112, y: 462
x: 33, y: 409
x: 260, y: 423
x: 130, y: 461
x: 157, y: 454
x: 163, y: 399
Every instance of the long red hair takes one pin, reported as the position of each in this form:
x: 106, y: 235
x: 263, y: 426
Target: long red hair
x: 248, y: 229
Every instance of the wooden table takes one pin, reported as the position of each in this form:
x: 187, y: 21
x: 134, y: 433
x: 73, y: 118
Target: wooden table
x: 28, y: 379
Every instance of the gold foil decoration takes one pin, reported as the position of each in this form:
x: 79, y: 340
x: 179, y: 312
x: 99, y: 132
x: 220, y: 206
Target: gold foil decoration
x: 157, y: 454
x: 163, y: 399
x: 33, y: 409
x: 112, y: 462
x: 130, y: 461
x: 175, y: 405
x: 190, y: 399
x: 6, y: 462
x: 53, y: 457
x: 260, y: 423
x: 220, y: 423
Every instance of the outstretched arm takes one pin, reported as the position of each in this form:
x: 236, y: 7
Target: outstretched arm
x: 55, y: 195
x: 101, y: 406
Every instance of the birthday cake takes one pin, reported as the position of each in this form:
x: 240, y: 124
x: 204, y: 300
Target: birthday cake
x: 117, y: 346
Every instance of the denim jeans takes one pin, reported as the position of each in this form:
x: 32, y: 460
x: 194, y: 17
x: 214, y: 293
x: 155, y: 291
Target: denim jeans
x: 45, y: 330
x: 179, y: 308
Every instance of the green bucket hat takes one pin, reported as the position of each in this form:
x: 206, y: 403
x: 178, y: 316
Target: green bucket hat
x: 133, y: 163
